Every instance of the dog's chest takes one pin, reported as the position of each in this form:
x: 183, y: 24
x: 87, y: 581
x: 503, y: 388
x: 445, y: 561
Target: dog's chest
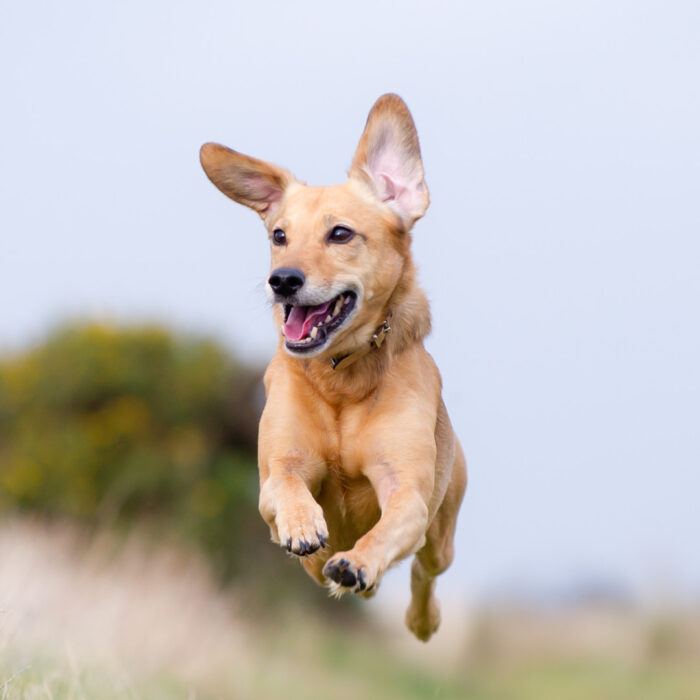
x: 349, y: 505
x: 346, y: 449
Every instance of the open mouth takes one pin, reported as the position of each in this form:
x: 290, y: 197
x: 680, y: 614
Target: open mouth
x: 309, y: 327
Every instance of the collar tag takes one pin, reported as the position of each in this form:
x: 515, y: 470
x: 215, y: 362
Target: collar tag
x: 380, y: 334
x: 377, y: 341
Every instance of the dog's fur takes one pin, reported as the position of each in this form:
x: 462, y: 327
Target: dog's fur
x: 359, y: 466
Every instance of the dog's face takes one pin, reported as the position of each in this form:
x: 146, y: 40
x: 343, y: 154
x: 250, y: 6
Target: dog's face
x: 347, y: 252
x: 337, y: 252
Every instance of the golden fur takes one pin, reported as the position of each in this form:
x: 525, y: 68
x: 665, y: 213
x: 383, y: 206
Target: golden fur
x: 359, y: 466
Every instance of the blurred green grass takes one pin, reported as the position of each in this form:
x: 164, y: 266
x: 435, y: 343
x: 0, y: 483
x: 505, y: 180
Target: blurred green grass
x: 330, y: 666
x: 113, y: 618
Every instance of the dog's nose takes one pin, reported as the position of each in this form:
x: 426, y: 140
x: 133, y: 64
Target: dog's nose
x: 286, y: 281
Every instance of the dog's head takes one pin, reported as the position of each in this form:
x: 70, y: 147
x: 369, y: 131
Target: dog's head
x: 338, y: 252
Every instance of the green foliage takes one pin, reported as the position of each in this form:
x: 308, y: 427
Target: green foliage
x: 109, y: 426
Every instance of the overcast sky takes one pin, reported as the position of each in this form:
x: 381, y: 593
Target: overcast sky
x: 561, y: 251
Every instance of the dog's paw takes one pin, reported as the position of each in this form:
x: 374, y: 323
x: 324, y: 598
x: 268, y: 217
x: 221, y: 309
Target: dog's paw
x: 346, y: 573
x: 302, y: 531
x: 423, y: 620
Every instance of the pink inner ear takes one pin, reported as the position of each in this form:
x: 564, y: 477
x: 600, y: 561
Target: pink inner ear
x: 263, y: 191
x: 400, y: 182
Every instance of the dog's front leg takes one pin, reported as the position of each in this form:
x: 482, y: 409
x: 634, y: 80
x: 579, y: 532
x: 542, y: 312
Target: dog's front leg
x: 403, y: 495
x: 287, y: 505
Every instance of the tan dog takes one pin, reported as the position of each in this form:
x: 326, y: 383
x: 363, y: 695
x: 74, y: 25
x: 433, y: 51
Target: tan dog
x: 359, y: 466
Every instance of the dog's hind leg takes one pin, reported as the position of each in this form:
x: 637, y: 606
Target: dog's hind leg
x: 423, y: 614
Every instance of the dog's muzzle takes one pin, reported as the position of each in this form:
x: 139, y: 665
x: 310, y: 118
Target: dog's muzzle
x: 309, y: 327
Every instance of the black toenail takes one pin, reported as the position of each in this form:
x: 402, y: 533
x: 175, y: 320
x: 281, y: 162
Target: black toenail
x: 321, y: 539
x: 361, y: 580
x: 289, y: 544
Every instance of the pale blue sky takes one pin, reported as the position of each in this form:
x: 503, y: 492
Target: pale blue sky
x: 561, y: 251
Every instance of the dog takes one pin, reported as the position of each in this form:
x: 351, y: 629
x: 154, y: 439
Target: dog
x: 359, y: 465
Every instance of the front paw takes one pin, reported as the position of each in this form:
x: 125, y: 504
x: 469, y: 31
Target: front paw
x: 348, y: 573
x: 302, y: 531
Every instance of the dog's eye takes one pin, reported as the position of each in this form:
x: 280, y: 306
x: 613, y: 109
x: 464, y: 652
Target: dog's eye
x: 279, y: 237
x: 340, y: 234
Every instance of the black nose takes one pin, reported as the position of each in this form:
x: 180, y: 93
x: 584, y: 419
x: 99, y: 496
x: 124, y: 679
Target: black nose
x: 286, y: 281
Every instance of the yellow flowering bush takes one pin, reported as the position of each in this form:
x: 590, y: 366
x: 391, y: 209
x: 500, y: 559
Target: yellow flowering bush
x: 107, y: 425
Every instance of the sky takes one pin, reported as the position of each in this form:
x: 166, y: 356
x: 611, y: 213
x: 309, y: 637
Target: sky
x: 561, y: 250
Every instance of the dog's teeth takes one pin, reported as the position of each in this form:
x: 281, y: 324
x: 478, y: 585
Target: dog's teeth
x: 328, y: 318
x: 314, y: 332
x: 338, y: 306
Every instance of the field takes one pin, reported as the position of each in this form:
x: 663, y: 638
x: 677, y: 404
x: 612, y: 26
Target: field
x: 106, y: 617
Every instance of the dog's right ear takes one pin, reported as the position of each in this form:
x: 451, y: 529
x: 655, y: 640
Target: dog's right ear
x: 388, y: 159
x: 249, y: 181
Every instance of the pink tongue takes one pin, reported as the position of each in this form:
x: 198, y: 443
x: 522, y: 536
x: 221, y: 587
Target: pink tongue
x: 302, y: 319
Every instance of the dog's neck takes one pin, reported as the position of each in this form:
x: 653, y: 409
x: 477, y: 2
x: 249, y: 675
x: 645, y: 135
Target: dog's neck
x: 344, y: 360
x: 409, y: 316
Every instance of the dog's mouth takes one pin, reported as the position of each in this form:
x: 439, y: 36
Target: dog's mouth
x: 309, y: 327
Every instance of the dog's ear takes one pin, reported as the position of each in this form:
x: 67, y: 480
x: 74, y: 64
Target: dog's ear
x: 249, y: 181
x: 388, y: 159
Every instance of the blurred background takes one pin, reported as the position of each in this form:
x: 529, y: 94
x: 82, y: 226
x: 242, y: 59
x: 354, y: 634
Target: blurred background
x: 560, y: 254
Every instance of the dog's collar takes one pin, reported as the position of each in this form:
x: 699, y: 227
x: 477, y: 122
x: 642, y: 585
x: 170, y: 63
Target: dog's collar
x: 378, y: 337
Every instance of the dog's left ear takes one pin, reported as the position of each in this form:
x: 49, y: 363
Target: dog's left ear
x: 388, y: 159
x: 249, y: 181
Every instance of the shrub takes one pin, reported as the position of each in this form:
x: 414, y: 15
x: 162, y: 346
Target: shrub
x: 107, y: 425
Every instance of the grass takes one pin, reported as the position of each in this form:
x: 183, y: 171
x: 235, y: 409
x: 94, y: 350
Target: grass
x: 97, y: 621
x: 341, y: 672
